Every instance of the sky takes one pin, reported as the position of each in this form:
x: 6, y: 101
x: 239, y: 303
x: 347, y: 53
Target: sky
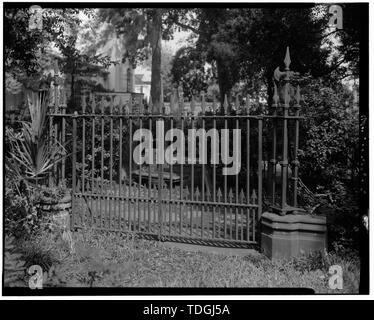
x: 179, y: 40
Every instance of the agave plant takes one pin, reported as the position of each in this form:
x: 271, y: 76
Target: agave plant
x: 31, y: 154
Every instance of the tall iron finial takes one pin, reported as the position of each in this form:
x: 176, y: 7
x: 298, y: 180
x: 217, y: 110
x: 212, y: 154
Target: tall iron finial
x: 287, y: 59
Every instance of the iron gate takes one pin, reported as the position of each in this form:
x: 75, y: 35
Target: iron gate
x: 185, y: 200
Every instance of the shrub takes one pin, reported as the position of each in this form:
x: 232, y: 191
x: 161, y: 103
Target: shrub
x: 36, y: 253
x: 20, y: 215
x: 14, y: 265
x: 28, y: 160
x: 329, y: 156
x: 30, y: 154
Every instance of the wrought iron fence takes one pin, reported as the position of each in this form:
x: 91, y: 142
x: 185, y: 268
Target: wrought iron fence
x: 185, y: 199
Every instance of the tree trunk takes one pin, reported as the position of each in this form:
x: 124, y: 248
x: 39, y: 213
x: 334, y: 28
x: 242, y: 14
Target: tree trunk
x: 72, y: 93
x: 223, y: 80
x: 156, y: 62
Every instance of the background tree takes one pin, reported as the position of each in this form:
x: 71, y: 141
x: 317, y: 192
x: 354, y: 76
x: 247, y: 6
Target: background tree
x: 249, y: 43
x: 189, y: 70
x: 167, y: 56
x: 80, y: 63
x: 28, y: 52
x: 246, y: 44
x: 348, y: 42
x: 141, y: 30
x: 21, y: 45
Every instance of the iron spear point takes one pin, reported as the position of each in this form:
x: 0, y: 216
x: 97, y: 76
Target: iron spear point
x: 287, y: 59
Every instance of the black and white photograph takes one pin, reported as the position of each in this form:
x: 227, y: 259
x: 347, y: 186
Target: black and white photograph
x: 190, y: 147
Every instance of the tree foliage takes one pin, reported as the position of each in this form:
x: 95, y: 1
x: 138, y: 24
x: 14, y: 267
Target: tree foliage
x: 190, y: 71
x: 247, y: 44
x: 28, y: 53
x: 22, y: 46
x: 329, y: 135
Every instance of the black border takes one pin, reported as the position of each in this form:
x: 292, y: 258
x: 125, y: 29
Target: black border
x: 239, y: 309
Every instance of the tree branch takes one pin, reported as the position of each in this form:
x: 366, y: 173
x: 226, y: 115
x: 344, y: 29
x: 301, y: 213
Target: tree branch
x: 332, y: 68
x: 184, y: 26
x: 330, y: 33
x: 346, y: 75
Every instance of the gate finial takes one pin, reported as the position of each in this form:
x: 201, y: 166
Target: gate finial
x: 225, y: 105
x: 219, y: 194
x: 254, y: 196
x: 247, y: 105
x: 287, y: 59
x: 237, y: 104
x: 203, y: 104
x: 242, y: 196
x: 214, y: 106
x: 192, y: 105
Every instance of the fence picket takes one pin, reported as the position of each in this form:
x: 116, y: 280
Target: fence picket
x: 237, y: 104
x: 242, y: 200
x: 253, y: 201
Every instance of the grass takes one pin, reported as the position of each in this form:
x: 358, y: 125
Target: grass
x: 110, y: 260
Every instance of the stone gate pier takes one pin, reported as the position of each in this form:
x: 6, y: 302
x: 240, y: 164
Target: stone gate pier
x: 284, y: 237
